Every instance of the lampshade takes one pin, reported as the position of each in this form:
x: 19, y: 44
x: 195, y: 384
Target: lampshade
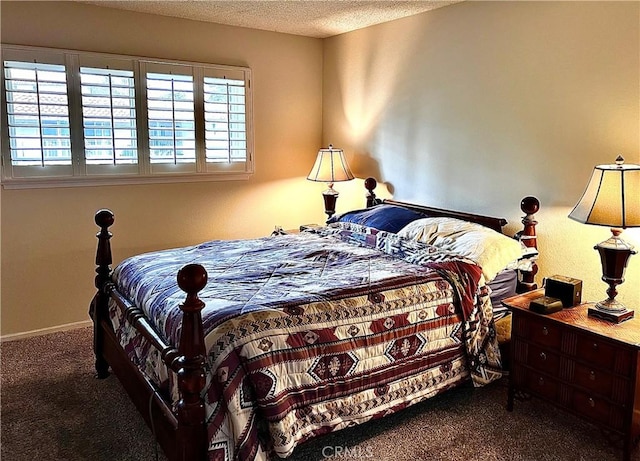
x: 330, y: 166
x: 612, y: 197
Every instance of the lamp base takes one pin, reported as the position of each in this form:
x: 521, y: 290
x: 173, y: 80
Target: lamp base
x: 611, y: 311
x: 330, y: 197
x: 614, y: 255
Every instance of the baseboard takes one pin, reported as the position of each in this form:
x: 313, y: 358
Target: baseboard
x: 46, y: 331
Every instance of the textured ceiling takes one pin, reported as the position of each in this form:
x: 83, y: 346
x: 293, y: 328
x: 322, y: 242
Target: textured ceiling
x: 310, y: 18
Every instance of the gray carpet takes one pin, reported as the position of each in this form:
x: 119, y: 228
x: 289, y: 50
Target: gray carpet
x: 53, y: 409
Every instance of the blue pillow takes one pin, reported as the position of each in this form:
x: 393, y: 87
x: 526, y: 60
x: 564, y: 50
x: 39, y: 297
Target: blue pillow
x: 383, y: 217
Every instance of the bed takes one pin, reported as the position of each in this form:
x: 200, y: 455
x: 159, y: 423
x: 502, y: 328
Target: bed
x: 243, y: 349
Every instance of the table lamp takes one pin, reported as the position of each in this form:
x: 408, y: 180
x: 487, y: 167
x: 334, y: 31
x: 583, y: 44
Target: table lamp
x: 330, y: 167
x: 612, y: 198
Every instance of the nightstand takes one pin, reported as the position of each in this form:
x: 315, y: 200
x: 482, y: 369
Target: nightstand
x: 584, y: 365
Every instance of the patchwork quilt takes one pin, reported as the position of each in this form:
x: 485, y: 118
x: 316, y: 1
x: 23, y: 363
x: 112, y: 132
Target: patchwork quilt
x: 313, y: 332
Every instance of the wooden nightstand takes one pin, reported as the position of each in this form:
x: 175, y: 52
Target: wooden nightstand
x: 584, y: 365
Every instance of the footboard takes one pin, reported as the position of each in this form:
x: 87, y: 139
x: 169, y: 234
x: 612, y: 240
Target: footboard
x: 182, y: 435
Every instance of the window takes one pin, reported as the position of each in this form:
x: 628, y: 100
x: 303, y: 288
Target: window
x: 76, y: 118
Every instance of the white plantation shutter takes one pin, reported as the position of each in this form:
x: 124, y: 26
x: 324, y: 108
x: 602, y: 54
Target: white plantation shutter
x: 227, y: 113
x: 75, y: 118
x: 108, y: 116
x: 108, y: 102
x: 37, y: 117
x: 225, y: 120
x: 170, y: 116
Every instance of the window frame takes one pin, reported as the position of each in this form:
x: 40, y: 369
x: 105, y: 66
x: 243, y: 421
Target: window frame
x: 144, y: 171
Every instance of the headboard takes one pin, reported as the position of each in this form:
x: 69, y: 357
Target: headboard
x: 529, y: 205
x: 488, y: 221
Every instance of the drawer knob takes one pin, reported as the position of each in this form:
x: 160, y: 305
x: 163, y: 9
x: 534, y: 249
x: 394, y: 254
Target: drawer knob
x: 543, y: 356
x: 545, y: 331
x: 592, y: 375
x: 541, y: 381
x: 595, y: 346
x: 592, y: 403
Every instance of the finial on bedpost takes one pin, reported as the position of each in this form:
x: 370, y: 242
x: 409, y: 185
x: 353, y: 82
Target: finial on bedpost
x: 529, y: 205
x: 100, y: 304
x: 191, y: 376
x: 370, y: 184
x: 104, y: 219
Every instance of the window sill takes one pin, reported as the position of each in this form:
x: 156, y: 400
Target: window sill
x: 52, y: 183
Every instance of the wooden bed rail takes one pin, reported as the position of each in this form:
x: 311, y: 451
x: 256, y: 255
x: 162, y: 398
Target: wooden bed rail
x: 136, y: 318
x: 187, y: 361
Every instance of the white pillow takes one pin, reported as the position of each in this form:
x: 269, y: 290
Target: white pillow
x: 491, y: 250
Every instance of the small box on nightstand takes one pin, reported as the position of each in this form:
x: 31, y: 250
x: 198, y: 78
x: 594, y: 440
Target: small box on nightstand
x: 545, y: 305
x: 566, y: 289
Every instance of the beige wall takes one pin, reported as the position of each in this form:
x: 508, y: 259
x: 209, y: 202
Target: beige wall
x: 48, y: 236
x: 476, y: 105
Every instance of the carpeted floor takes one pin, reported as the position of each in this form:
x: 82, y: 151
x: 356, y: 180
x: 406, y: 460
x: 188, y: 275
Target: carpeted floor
x: 54, y: 409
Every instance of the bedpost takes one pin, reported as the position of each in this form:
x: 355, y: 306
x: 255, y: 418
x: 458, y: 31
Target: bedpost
x: 370, y: 184
x: 192, y: 433
x: 529, y: 205
x: 100, y: 304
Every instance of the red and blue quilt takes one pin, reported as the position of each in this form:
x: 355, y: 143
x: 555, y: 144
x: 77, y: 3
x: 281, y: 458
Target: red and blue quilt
x: 313, y: 332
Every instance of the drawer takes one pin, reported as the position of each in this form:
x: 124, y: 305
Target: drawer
x: 539, y: 331
x: 602, y: 353
x: 543, y: 360
x: 597, y: 409
x: 536, y: 383
x: 593, y: 379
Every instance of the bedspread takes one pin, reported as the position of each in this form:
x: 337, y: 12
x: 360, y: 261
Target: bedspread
x: 313, y: 332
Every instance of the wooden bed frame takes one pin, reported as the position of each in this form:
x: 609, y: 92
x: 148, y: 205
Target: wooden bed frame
x: 182, y: 433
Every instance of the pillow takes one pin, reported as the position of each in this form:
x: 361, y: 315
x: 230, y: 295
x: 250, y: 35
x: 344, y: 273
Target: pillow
x: 383, y: 217
x: 491, y: 250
